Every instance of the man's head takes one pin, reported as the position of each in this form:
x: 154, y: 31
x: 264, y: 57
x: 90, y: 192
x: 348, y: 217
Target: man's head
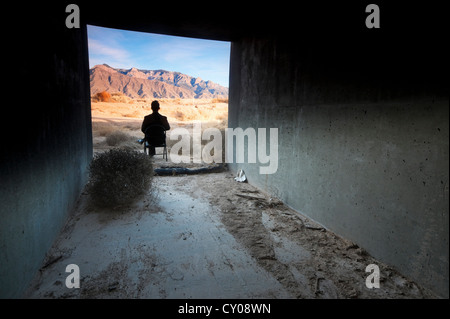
x: 155, y: 106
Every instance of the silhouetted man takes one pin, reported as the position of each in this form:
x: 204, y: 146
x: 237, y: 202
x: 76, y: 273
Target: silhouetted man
x: 154, y: 118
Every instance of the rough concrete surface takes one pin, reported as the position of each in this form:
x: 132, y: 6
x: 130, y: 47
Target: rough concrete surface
x: 208, y: 236
x: 366, y: 157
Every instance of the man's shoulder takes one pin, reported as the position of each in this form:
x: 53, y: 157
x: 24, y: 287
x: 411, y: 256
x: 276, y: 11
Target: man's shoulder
x: 155, y: 117
x: 162, y: 116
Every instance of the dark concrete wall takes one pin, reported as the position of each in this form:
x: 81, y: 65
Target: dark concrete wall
x: 363, y: 139
x: 46, y: 137
x: 362, y: 119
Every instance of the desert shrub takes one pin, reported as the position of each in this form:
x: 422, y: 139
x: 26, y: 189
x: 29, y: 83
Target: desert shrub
x: 102, y: 128
x: 116, y: 138
x: 134, y: 114
x: 119, y: 97
x: 179, y: 115
x: 220, y: 100
x: 118, y: 177
x: 102, y: 97
x: 119, y: 139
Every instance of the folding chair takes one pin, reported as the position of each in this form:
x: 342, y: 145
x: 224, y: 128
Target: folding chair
x: 155, y: 136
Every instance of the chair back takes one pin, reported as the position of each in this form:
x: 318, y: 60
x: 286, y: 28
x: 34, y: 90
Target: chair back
x: 155, y: 135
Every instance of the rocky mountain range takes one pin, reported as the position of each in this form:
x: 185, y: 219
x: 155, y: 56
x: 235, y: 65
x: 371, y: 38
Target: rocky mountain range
x: 149, y: 84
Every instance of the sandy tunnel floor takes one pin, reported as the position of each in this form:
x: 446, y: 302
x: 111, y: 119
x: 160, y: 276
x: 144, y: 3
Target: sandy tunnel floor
x: 208, y: 236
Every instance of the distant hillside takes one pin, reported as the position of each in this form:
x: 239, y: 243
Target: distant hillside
x: 149, y: 84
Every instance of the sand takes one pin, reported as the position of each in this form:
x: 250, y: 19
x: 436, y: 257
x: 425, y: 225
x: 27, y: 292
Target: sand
x: 208, y: 236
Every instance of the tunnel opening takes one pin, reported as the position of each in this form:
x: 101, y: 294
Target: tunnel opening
x: 189, y: 77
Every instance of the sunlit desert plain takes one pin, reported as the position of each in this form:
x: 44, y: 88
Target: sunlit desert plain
x: 117, y: 124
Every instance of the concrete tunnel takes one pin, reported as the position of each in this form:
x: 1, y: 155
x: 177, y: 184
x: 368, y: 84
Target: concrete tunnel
x: 362, y: 118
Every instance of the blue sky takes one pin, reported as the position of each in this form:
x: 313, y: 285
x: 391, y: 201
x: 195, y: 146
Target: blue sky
x: 206, y: 59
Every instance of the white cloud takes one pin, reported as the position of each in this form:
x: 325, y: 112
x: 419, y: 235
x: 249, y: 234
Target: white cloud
x: 110, y: 54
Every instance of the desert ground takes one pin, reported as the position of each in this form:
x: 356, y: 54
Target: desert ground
x: 119, y: 124
x: 202, y: 236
